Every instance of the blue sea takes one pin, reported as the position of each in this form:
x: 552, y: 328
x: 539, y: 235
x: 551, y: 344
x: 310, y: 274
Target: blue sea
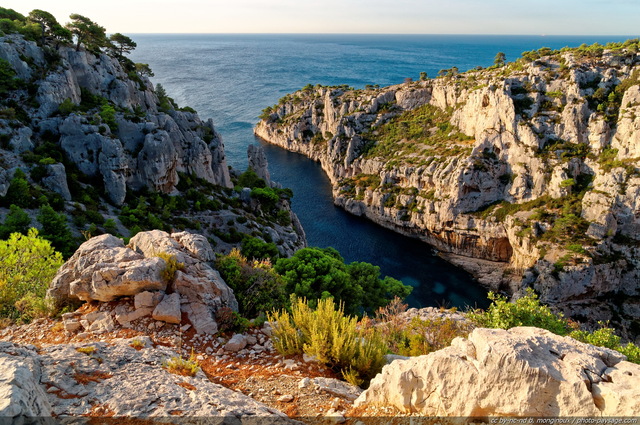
x: 232, y: 77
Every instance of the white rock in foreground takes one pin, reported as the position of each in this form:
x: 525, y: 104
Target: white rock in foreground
x: 520, y: 372
x: 59, y: 380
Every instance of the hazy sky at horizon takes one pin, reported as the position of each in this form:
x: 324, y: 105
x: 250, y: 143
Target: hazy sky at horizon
x: 550, y: 17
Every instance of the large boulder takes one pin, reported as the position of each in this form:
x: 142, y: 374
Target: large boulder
x: 103, y: 269
x: 520, y: 372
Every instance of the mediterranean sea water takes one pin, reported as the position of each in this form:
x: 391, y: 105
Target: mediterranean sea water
x: 232, y: 77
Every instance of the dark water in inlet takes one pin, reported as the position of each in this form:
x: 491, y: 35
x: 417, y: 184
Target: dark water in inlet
x: 231, y: 78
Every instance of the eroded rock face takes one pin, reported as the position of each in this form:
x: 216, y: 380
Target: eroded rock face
x: 510, y: 136
x: 258, y: 162
x: 59, y: 380
x: 520, y: 372
x: 147, y: 149
x: 103, y: 269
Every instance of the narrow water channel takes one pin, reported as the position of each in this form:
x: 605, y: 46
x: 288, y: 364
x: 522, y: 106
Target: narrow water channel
x: 435, y: 281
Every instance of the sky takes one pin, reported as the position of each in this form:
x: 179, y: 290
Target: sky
x: 534, y: 17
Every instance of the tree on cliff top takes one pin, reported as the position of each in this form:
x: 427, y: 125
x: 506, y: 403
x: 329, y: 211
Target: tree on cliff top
x: 11, y: 15
x: 122, y: 44
x: 87, y: 32
x: 500, y: 59
x: 49, y: 26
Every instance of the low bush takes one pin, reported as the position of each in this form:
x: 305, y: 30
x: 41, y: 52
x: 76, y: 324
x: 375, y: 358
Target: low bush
x: 606, y: 337
x: 332, y: 337
x: 137, y: 344
x: 525, y: 311
x: 231, y: 321
x: 184, y: 367
x: 27, y: 266
x: 257, y: 249
x: 257, y: 286
x: 417, y: 336
x: 321, y: 273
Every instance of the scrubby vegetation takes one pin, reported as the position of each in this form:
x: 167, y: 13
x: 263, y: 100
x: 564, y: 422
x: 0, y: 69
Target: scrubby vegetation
x: 172, y: 266
x: 181, y: 366
x: 416, y: 135
x: 332, y: 337
x: 417, y: 336
x: 312, y: 273
x: 320, y: 273
x: 528, y: 311
x: 256, y: 285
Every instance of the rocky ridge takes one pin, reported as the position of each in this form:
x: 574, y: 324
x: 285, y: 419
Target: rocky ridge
x: 99, y: 142
x: 531, y: 168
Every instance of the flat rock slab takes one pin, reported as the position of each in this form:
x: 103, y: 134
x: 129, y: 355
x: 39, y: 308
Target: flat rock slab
x: 117, y: 379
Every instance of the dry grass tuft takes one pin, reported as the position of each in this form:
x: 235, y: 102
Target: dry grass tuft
x: 184, y: 367
x: 138, y: 344
x: 88, y: 350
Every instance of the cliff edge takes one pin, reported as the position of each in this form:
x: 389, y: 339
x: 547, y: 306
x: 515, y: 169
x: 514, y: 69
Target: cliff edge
x: 529, y: 168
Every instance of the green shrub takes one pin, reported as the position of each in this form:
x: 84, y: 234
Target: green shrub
x: 525, y: 311
x: 27, y: 266
x: 56, y: 230
x: 321, y: 273
x: 606, y: 337
x: 258, y: 288
x: 108, y: 116
x: 266, y: 196
x: 67, y: 107
x: 8, y: 80
x: 16, y: 221
x: 19, y: 192
x: 255, y: 248
x: 333, y: 338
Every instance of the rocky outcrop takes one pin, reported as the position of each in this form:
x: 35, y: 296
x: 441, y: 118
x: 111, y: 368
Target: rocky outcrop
x: 92, y: 131
x: 258, y: 162
x: 527, y: 372
x: 103, y: 269
x: 65, y: 380
x: 532, y: 166
x: 142, y: 147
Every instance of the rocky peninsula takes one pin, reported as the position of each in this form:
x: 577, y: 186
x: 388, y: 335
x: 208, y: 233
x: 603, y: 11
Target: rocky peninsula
x: 524, y: 173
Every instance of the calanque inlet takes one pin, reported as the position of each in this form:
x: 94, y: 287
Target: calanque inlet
x: 141, y: 277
